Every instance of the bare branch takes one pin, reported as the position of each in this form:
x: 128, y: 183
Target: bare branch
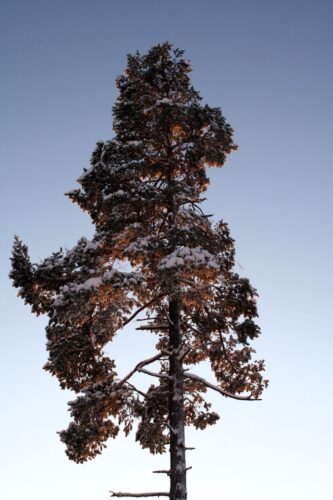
x: 153, y: 374
x: 153, y: 494
x: 137, y: 390
x: 161, y: 472
x: 218, y: 389
x: 153, y: 327
x: 142, y: 308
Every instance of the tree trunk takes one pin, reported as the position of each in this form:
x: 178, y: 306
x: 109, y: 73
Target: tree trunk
x: 176, y: 407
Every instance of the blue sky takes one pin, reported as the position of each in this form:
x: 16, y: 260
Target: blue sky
x: 268, y: 65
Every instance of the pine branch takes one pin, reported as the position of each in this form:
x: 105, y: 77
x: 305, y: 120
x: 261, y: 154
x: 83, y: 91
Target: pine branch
x: 218, y: 389
x: 226, y: 354
x: 137, y: 368
x: 153, y: 494
x: 147, y: 304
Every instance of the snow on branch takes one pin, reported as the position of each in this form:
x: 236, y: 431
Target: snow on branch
x: 114, y: 277
x: 218, y: 389
x: 153, y: 374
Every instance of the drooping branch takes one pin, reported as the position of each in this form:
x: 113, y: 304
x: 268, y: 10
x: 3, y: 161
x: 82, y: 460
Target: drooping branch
x: 153, y: 494
x: 218, y: 389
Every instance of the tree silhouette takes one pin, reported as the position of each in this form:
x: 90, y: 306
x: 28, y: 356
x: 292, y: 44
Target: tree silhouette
x: 143, y: 192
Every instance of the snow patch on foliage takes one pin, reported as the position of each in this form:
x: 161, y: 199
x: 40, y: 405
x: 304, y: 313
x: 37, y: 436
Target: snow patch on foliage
x: 113, y: 277
x: 85, y: 173
x: 84, y: 245
x: 196, y: 257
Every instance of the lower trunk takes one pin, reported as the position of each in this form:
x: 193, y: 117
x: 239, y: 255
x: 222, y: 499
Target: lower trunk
x: 176, y: 408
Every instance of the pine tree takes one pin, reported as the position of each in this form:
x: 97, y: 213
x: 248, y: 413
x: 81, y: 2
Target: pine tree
x: 143, y: 192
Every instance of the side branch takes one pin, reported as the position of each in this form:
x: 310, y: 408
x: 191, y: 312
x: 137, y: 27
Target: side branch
x: 218, y: 389
x: 138, y: 367
x: 153, y: 494
x: 142, y: 308
x: 153, y: 374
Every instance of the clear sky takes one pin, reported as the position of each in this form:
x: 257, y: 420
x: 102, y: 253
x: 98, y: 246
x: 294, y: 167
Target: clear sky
x: 268, y: 64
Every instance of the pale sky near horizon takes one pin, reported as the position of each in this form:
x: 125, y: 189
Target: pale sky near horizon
x: 268, y: 65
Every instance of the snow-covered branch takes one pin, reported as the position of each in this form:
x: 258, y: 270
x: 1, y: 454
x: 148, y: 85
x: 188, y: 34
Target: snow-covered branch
x: 218, y: 389
x: 153, y: 374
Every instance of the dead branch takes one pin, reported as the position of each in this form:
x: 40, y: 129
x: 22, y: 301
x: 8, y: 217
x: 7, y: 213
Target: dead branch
x: 153, y: 327
x: 218, y: 389
x: 153, y: 494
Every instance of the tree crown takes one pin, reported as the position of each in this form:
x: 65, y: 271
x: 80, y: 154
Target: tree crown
x: 143, y: 192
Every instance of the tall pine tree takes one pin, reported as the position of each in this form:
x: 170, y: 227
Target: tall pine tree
x: 143, y: 192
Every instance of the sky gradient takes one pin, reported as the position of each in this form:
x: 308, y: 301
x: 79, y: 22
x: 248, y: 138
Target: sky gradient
x: 268, y: 65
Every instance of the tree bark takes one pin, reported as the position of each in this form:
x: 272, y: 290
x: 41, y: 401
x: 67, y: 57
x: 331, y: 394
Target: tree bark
x: 176, y: 407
